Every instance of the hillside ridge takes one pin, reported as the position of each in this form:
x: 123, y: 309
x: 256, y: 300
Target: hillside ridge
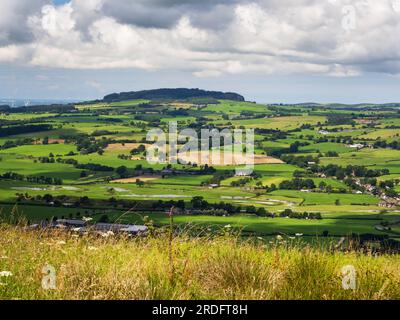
x: 175, y: 94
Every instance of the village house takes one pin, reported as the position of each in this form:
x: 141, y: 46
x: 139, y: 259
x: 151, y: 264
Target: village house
x: 357, y: 146
x: 81, y: 226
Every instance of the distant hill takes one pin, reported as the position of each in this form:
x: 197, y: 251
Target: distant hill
x: 172, y: 94
x: 4, y: 108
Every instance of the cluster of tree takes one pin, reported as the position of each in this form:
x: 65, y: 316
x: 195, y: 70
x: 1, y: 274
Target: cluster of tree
x: 94, y: 167
x: 323, y: 186
x: 260, y: 211
x: 198, y: 203
x: 58, y: 201
x: 72, y: 138
x: 210, y: 212
x: 154, y: 119
x: 87, y: 145
x: 386, y: 187
x: 26, y: 128
x: 177, y: 112
x: 297, y: 215
x: 297, y: 184
x: 246, y: 114
x: 68, y: 161
x: 337, y: 119
x: 113, y: 120
x: 261, y: 131
x: 218, y: 177
x: 206, y: 169
x: 390, y: 145
x: 306, y: 126
x: 122, y: 171
x: 33, y: 179
x: 387, y: 184
x: 20, y: 142
x: 139, y: 150
x: 124, y: 157
x: 300, y: 161
x: 331, y: 154
x: 340, y: 173
x: 46, y: 160
x: 98, y: 133
x: 241, y: 182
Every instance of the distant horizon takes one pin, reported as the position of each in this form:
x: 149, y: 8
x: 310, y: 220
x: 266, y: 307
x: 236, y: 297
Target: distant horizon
x: 38, y: 101
x: 45, y: 101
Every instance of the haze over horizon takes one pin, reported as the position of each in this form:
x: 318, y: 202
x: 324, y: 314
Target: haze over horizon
x: 268, y: 51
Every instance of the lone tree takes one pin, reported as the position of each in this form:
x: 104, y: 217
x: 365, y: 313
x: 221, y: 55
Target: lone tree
x: 122, y: 171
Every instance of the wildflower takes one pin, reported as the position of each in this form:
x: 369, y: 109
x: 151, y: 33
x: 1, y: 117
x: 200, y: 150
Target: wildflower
x: 299, y: 234
x: 228, y: 226
x: 260, y: 238
x: 5, y: 274
x: 279, y: 237
x: 292, y: 238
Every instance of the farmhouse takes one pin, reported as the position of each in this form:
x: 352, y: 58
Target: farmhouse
x: 242, y: 173
x: 81, y: 225
x: 357, y: 146
x: 125, y: 228
x: 71, y: 223
x: 213, y: 186
x: 389, y: 202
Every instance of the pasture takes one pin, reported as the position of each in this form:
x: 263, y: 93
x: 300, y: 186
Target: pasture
x: 284, y: 134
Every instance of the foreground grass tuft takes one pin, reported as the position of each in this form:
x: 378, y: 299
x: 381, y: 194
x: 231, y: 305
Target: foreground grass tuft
x: 203, y: 268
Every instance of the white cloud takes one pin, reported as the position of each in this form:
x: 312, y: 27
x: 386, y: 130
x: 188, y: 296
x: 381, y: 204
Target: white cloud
x: 9, y: 53
x: 57, y: 22
x: 262, y: 37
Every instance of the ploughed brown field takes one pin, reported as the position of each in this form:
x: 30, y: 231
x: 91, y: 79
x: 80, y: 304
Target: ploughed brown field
x: 124, y: 147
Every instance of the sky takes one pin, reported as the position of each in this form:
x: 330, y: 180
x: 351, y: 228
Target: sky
x: 271, y: 51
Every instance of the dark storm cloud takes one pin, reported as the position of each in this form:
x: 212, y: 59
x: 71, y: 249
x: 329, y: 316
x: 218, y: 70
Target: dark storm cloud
x: 166, y: 13
x: 14, y: 27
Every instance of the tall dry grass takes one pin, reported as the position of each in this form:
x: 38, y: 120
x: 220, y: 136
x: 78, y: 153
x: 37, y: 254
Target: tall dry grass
x: 203, y: 268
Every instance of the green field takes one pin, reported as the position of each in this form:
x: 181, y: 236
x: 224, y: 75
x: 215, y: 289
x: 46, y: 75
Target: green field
x: 344, y: 209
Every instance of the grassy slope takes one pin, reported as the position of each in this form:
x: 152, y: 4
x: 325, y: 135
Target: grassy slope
x: 219, y: 268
